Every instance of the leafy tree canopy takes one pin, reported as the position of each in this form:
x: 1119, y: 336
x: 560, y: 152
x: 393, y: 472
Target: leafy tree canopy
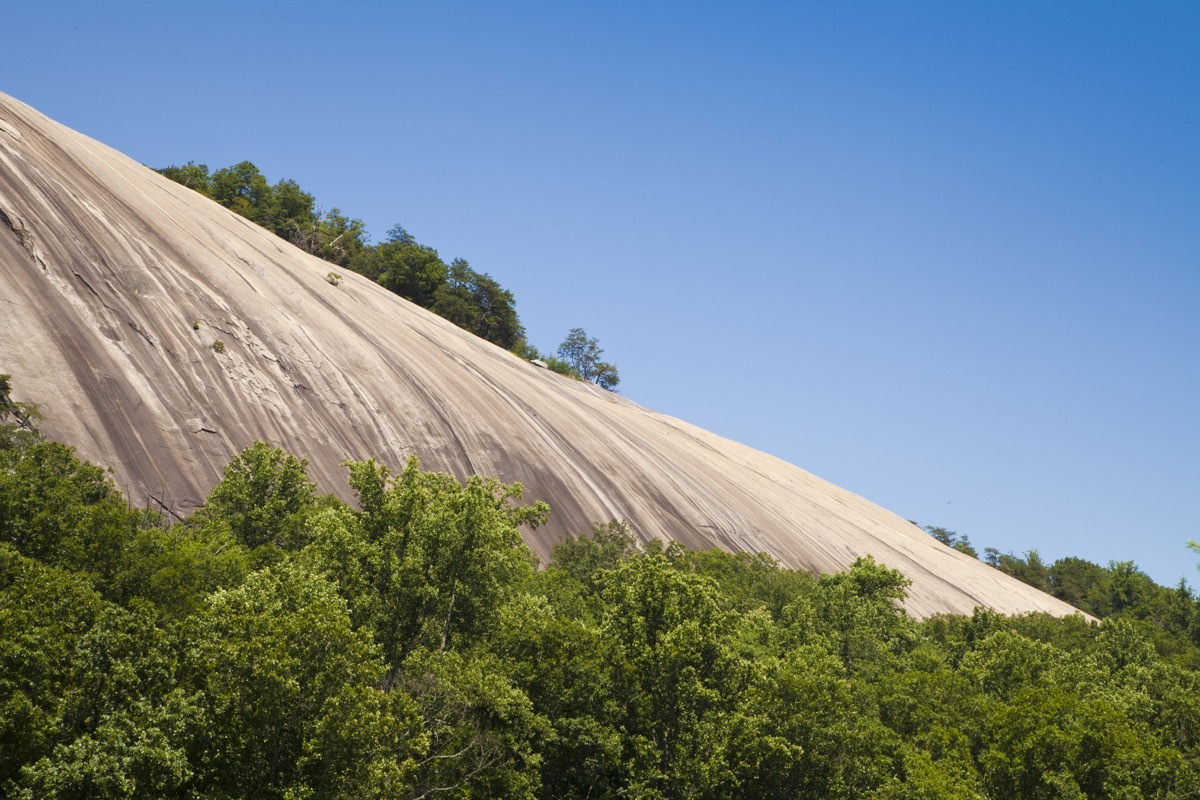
x: 278, y: 645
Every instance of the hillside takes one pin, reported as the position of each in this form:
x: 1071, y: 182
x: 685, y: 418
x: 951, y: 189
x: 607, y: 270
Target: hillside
x: 116, y: 286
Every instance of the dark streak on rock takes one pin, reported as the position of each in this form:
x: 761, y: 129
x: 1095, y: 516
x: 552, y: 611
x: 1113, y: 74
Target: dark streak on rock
x: 83, y: 280
x: 145, y: 335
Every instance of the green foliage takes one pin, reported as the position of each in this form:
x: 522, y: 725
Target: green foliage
x: 413, y: 271
x: 556, y: 365
x: 263, y: 498
x: 1075, y: 580
x: 585, y: 558
x: 334, y: 237
x: 856, y: 614
x: 284, y: 208
x: 749, y: 581
x: 127, y: 756
x: 1028, y: 569
x: 398, y: 235
x: 1050, y: 743
x: 1118, y: 591
x: 12, y: 412
x: 278, y: 645
x: 481, y: 731
x: 192, y: 175
x: 289, y: 213
x: 242, y: 188
x: 63, y: 511
x: 278, y: 662
x: 473, y: 300
x: 176, y: 567
x: 582, y: 353
x: 678, y: 675
x: 477, y: 303
x: 44, y: 611
x: 951, y: 539
x: 428, y: 562
x: 18, y: 421
x: 125, y: 727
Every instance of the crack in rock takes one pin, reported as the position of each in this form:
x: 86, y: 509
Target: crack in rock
x: 17, y: 225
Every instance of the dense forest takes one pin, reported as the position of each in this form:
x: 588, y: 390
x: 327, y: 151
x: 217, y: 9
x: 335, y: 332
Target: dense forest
x: 474, y: 301
x: 283, y: 644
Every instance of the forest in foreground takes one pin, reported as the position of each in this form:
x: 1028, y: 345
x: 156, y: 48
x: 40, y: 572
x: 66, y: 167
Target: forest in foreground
x: 282, y: 644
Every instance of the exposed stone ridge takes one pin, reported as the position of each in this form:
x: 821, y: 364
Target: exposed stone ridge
x: 118, y: 288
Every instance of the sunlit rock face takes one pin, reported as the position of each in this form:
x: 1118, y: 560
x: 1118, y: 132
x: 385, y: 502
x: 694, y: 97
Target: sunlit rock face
x: 116, y: 286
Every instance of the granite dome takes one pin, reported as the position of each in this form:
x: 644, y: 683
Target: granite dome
x: 115, y: 283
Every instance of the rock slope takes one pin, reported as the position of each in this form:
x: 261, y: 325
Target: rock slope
x: 116, y: 283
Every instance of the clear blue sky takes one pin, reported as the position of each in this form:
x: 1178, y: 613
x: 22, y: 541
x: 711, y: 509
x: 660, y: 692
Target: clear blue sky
x: 946, y: 255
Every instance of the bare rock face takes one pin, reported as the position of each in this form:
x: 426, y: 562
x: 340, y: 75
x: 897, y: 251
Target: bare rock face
x: 118, y: 288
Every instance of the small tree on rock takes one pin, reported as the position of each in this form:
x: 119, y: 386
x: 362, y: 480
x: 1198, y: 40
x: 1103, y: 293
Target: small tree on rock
x: 583, y: 353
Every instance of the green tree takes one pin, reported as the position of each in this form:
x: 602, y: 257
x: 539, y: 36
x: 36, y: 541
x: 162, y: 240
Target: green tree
x: 951, y: 539
x: 1075, y: 581
x: 243, y: 189
x: 1029, y: 569
x: 482, y: 731
x: 429, y: 561
x: 1125, y: 589
x: 127, y: 756
x: 817, y: 707
x: 477, y: 303
x: 285, y: 678
x: 585, y: 558
x: 398, y: 235
x: 582, y: 353
x: 44, y: 611
x: 691, y: 725
x: 291, y: 214
x: 607, y: 377
x: 263, y: 498
x: 12, y: 412
x: 565, y: 665
x: 64, y: 511
x: 18, y: 421
x: 176, y: 567
x: 750, y: 581
x: 413, y: 271
x: 126, y: 726
x: 1007, y: 662
x: 337, y: 238
x: 858, y: 613
x: 1051, y: 743
x: 192, y: 175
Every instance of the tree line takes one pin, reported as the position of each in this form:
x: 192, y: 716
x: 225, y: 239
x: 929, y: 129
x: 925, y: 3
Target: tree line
x: 279, y: 643
x: 472, y: 300
x: 1118, y: 591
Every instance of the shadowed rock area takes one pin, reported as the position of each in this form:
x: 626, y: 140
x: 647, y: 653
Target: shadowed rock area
x: 115, y: 283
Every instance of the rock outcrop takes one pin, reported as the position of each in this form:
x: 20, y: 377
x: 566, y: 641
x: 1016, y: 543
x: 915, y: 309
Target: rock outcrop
x: 116, y: 286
